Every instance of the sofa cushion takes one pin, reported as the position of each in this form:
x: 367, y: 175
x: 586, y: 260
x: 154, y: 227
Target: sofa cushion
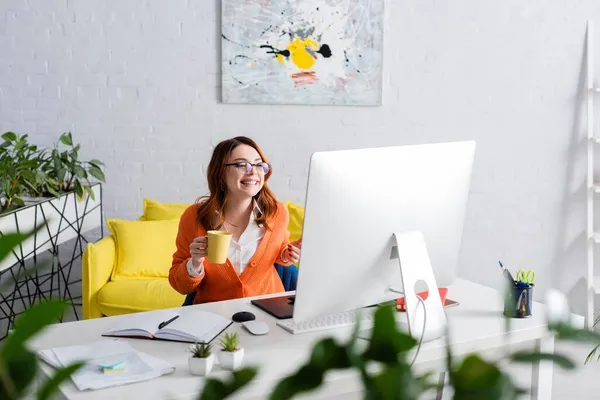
x: 137, y: 295
x: 157, y: 211
x: 296, y: 213
x: 144, y: 248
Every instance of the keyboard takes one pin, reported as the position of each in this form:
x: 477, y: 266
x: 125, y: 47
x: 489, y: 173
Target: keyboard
x: 332, y: 321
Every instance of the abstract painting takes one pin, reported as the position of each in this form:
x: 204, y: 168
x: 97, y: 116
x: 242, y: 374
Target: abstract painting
x: 302, y: 51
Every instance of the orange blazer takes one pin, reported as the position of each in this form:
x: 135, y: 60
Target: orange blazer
x: 221, y: 281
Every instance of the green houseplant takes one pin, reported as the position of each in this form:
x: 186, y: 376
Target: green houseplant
x: 20, y: 171
x: 201, y: 360
x: 67, y: 172
x: 18, y: 364
x: 26, y: 170
x: 230, y: 356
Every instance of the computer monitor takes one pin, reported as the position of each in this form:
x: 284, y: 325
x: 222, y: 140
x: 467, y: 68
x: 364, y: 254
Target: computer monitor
x: 356, y: 200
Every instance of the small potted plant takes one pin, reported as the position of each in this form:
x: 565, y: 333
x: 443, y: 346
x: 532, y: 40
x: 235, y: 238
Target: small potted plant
x: 201, y: 361
x: 230, y: 356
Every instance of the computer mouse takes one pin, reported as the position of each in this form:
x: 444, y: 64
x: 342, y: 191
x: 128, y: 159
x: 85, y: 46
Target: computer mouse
x: 256, y: 327
x: 243, y: 316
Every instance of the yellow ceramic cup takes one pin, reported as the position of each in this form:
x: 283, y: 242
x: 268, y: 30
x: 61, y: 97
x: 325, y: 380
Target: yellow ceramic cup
x: 218, y: 246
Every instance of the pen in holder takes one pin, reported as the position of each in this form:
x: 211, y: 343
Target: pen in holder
x: 519, y: 302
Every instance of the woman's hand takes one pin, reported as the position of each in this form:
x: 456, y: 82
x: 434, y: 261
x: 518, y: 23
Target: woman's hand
x: 292, y: 252
x: 198, y: 250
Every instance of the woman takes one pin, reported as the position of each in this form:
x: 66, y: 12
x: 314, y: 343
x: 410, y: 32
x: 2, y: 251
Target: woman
x: 241, y: 203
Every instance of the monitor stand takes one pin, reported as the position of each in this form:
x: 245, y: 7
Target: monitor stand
x: 415, y: 266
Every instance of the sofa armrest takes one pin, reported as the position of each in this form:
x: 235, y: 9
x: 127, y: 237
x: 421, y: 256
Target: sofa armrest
x: 97, y: 265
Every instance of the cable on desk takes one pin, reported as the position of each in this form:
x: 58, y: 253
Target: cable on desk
x: 423, y: 331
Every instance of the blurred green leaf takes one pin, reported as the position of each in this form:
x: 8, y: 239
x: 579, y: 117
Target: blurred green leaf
x: 478, y: 379
x: 592, y: 353
x: 90, y: 192
x: 9, y: 136
x: 9, y: 241
x: 21, y: 371
x: 79, y: 172
x: 95, y: 162
x: 66, y: 139
x: 306, y: 379
x: 387, y: 342
x: 578, y: 335
x: 398, y: 382
x: 61, y: 173
x: 217, y: 390
x: 96, y: 173
x: 61, y: 375
x: 532, y: 357
x: 30, y: 323
x: 78, y: 189
x: 327, y: 354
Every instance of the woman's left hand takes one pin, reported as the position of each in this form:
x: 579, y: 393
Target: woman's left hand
x: 292, y: 252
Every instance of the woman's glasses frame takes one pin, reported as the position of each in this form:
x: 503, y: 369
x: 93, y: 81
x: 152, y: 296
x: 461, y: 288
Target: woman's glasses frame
x: 246, y: 167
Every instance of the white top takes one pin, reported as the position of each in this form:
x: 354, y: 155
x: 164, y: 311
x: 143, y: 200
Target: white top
x: 240, y: 252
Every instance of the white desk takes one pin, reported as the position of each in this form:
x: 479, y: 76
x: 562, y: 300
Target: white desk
x: 475, y: 325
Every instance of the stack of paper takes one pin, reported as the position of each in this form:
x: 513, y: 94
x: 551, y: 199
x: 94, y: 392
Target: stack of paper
x: 102, y: 356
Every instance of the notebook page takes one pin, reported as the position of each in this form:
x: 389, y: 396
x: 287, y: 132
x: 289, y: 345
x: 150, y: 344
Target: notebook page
x: 137, y: 324
x: 196, y: 325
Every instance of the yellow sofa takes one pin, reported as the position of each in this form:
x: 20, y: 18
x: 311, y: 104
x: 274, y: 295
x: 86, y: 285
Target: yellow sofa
x: 127, y: 272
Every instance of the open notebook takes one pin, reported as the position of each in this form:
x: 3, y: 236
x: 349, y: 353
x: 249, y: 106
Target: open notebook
x: 189, y: 326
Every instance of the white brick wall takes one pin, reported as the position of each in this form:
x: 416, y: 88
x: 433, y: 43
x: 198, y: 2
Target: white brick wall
x: 138, y: 83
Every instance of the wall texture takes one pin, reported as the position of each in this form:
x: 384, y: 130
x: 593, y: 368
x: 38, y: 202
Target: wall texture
x: 138, y: 84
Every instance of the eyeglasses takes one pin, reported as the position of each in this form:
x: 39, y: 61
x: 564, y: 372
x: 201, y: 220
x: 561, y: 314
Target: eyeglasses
x: 246, y: 167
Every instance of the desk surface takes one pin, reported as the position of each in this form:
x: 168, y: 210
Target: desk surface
x: 475, y: 325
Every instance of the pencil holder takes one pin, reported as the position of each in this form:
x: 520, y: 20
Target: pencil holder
x: 519, y: 302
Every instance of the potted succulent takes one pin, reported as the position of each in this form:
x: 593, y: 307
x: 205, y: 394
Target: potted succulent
x: 230, y: 356
x: 201, y: 361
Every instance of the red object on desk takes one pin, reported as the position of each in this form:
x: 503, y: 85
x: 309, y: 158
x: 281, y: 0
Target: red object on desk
x: 400, y: 306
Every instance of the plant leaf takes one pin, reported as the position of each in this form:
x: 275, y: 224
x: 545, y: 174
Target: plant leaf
x: 79, y: 172
x: 9, y: 136
x: 566, y: 332
x: 532, y: 357
x: 216, y: 390
x: 18, y: 201
x: 52, y: 191
x: 96, y: 173
x: 305, y: 379
x: 61, y: 173
x: 21, y: 370
x: 592, y: 353
x: 90, y: 192
x: 78, y: 189
x: 30, y: 323
x: 10, y: 241
x: 66, y: 139
x: 47, y: 391
x: 476, y: 378
x: 96, y: 162
x: 387, y: 342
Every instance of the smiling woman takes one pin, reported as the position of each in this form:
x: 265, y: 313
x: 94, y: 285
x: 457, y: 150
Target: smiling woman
x: 241, y: 203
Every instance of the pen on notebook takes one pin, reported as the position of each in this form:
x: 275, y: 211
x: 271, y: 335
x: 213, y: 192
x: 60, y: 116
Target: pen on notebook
x: 165, y: 323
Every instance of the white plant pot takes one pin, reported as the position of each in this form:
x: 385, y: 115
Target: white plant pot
x: 64, y: 214
x: 231, y: 360
x: 201, y: 366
